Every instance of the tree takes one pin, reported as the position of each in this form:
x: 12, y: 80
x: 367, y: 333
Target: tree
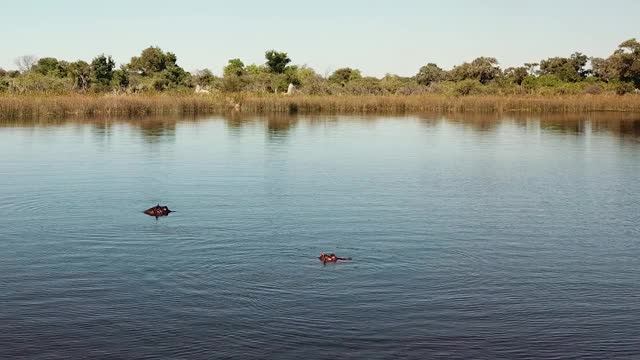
x: 204, y: 77
x: 3, y: 72
x: 175, y: 76
x: 365, y: 86
x: 102, y: 70
x: 604, y: 69
x: 160, y: 69
x: 468, y: 87
x: 45, y: 65
x: 626, y: 60
x: 483, y: 69
x: 25, y: 62
x: 235, y: 67
x: 50, y: 66
x: 311, y: 82
x: 429, y: 74
x: 80, y: 73
x: 532, y: 68
x: 344, y: 75
x: 258, y: 79
x: 516, y: 74
x: 277, y: 61
x: 566, y: 69
x: 623, y: 66
x: 120, y: 78
x: 151, y: 60
x: 291, y: 75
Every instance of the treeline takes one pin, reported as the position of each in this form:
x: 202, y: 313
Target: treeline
x: 157, y: 71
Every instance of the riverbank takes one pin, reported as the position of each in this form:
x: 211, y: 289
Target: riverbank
x: 61, y: 106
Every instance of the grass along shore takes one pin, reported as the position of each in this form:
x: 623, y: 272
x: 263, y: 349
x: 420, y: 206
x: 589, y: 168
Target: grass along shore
x: 62, y: 106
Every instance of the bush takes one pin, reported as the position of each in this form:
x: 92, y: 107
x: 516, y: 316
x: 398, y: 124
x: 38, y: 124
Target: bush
x: 550, y: 81
x: 34, y: 82
x: 412, y: 88
x: 622, y: 88
x: 530, y: 83
x: 364, y: 86
x: 468, y: 87
x: 502, y: 86
x: 593, y: 89
x: 4, y: 85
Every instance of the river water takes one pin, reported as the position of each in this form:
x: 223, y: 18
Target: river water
x: 472, y: 236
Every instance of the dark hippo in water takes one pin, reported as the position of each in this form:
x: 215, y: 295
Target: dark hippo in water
x: 158, y: 211
x: 331, y: 258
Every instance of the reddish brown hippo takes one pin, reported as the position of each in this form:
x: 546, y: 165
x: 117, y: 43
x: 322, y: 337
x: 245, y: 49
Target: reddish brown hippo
x: 158, y: 211
x: 330, y: 258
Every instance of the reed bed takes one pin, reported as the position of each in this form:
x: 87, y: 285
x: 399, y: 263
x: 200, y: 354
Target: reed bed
x: 63, y: 106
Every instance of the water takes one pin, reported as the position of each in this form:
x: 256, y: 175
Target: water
x: 472, y: 237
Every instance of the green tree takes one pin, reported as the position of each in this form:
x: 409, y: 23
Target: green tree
x: 102, y: 70
x: 233, y: 76
x: 159, y: 68
x: 204, y: 77
x: 120, y: 78
x: 345, y: 75
x: 604, y: 69
x: 571, y: 69
x: 258, y: 79
x: 49, y: 66
x: 80, y: 73
x: 530, y: 83
x: 483, y: 69
x: 291, y: 75
x: 429, y: 74
x: 175, y: 76
x: 516, y: 74
x: 254, y: 69
x: 32, y: 81
x: 626, y: 60
x: 311, y: 82
x: 151, y: 60
x: 277, y: 61
x: 468, y: 87
x: 235, y: 67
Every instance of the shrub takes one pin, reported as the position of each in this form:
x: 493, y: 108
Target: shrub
x: 4, y: 85
x: 622, y: 88
x: 593, y: 89
x: 468, y: 87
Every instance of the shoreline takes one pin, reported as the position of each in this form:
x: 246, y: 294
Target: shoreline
x: 14, y: 107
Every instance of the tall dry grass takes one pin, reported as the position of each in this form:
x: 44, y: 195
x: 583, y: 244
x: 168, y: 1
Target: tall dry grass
x: 62, y: 106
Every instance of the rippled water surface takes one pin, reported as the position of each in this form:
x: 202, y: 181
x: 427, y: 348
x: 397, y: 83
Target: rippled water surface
x: 471, y: 237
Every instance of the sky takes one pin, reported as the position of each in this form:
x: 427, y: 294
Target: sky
x: 377, y: 37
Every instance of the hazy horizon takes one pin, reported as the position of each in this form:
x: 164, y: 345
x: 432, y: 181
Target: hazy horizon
x: 376, y: 37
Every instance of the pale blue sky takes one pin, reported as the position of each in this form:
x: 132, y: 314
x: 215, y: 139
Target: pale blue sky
x: 375, y: 36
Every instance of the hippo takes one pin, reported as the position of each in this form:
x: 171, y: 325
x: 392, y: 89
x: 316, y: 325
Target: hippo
x: 330, y: 258
x: 158, y: 211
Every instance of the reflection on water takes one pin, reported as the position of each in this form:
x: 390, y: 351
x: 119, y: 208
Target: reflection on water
x: 153, y: 129
x: 474, y: 236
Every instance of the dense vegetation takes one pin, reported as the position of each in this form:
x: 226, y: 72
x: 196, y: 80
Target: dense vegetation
x: 156, y: 71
